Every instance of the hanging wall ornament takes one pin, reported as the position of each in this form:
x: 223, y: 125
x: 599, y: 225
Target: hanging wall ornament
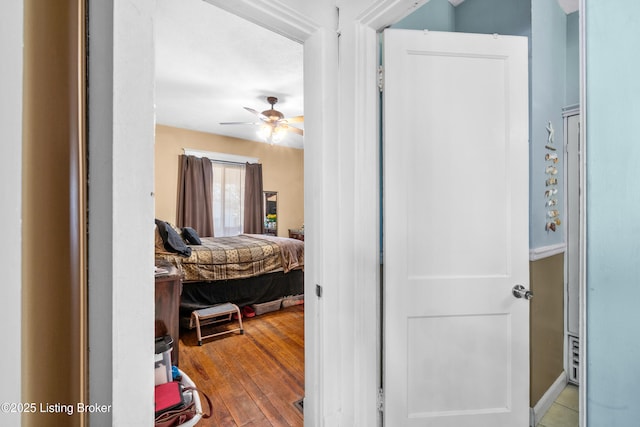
x: 551, y: 158
x: 550, y: 137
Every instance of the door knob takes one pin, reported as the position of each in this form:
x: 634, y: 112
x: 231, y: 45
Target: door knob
x: 520, y: 291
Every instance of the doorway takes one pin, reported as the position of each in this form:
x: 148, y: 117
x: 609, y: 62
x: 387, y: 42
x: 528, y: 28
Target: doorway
x: 548, y: 245
x: 214, y: 72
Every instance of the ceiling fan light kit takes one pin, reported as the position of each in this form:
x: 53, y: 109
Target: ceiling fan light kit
x: 273, y: 126
x: 271, y: 134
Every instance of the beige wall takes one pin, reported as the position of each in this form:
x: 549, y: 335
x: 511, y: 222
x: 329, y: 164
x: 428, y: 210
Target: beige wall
x: 547, y: 324
x: 282, y: 170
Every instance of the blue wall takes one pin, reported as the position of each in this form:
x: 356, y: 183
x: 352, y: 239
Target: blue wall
x: 548, y: 56
x: 511, y: 17
x: 573, y: 60
x: 613, y: 209
x: 436, y: 15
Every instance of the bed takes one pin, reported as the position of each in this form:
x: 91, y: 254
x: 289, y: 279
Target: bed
x: 246, y: 269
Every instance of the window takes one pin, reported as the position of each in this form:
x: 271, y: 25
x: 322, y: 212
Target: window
x: 228, y: 172
x: 228, y: 198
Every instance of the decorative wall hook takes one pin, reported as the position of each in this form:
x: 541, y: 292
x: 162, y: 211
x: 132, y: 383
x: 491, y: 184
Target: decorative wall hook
x: 551, y: 132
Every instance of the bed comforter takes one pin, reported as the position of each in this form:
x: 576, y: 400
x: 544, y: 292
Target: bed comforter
x: 238, y: 257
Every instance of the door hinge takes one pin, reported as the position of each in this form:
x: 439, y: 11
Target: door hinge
x: 319, y: 291
x: 380, y: 78
x: 380, y: 400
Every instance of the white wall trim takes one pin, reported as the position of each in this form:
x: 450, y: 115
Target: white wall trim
x: 273, y: 15
x: 547, y: 399
x: 121, y: 205
x: 571, y: 110
x: 383, y: 13
x: 11, y: 72
x: 542, y: 252
x: 320, y: 63
x: 582, y: 392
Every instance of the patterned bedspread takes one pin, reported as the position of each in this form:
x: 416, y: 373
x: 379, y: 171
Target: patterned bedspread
x: 291, y: 251
x: 237, y: 257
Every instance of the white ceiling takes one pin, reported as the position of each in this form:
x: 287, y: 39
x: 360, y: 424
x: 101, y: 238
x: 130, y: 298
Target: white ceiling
x: 210, y: 64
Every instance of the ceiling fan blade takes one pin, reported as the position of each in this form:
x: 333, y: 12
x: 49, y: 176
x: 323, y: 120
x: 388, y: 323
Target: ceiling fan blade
x: 296, y: 119
x: 295, y: 130
x: 262, y: 116
x: 240, y: 123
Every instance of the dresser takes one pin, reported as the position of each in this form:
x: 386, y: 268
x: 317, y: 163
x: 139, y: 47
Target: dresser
x: 296, y: 234
x: 168, y: 290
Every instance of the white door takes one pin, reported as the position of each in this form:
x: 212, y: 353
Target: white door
x: 456, y: 339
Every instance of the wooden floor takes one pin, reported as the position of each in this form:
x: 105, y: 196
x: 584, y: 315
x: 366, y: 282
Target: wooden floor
x: 253, y: 379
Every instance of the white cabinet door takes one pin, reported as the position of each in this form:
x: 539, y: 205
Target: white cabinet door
x: 456, y: 339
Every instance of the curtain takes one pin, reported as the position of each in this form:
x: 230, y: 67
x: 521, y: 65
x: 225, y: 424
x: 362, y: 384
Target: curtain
x: 195, y: 195
x: 253, y: 200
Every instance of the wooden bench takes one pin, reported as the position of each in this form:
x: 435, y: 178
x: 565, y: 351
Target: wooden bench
x: 215, y: 314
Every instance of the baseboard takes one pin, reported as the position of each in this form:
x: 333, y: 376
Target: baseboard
x: 537, y: 412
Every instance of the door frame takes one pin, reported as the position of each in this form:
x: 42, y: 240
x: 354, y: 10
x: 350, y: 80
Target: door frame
x: 579, y: 110
x: 567, y: 113
x: 582, y: 391
x: 11, y: 106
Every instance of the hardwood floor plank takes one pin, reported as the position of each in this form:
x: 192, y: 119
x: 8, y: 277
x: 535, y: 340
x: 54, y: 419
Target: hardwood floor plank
x: 271, y: 412
x: 252, y: 379
x: 221, y: 414
x: 241, y: 397
x: 232, y: 391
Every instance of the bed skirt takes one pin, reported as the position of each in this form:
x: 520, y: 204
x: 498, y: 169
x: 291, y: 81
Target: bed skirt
x: 253, y: 290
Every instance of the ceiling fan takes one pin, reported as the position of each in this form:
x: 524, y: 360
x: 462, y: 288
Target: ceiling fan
x: 273, y: 124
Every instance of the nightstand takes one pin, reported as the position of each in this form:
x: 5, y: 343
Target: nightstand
x: 168, y: 290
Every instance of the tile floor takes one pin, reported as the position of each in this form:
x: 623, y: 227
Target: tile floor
x: 564, y: 411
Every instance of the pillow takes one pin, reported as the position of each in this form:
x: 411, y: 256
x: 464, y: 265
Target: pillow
x: 159, y: 243
x: 176, y: 229
x: 172, y: 240
x: 191, y: 236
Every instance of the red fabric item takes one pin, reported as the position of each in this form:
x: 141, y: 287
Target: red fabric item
x: 168, y: 396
